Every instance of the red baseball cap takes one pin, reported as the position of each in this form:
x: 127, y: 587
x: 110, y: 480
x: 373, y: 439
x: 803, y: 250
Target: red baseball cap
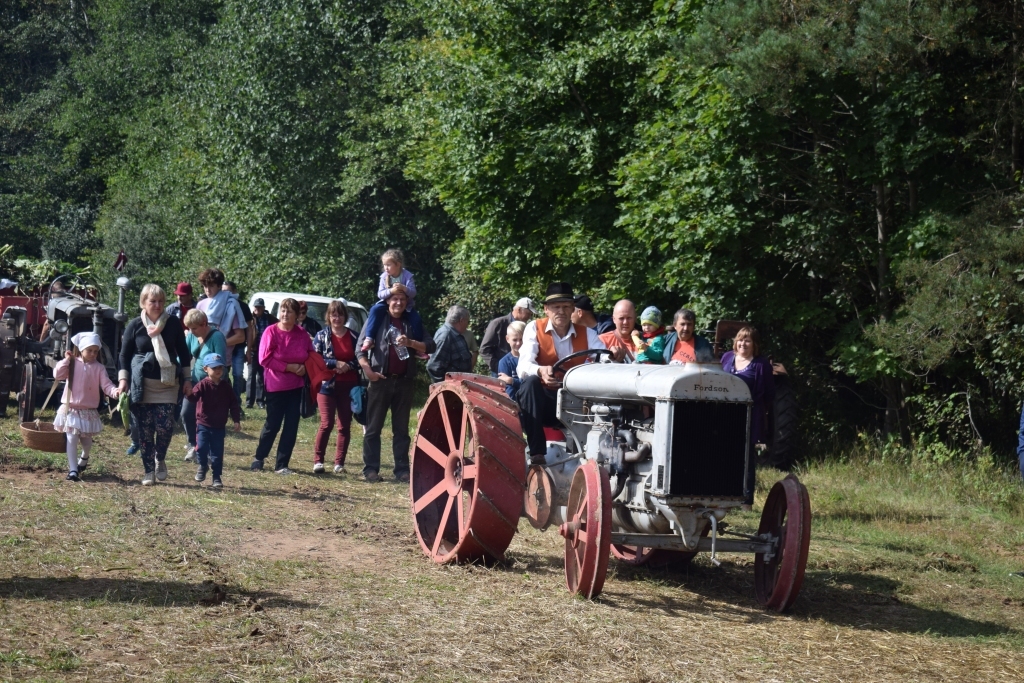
x: 183, y: 288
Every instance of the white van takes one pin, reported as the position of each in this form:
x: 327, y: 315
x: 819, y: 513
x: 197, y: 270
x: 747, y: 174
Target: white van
x: 316, y: 307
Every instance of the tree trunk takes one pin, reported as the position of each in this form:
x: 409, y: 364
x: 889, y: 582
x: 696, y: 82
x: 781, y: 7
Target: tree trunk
x: 881, y: 215
x: 890, y: 385
x: 1015, y: 161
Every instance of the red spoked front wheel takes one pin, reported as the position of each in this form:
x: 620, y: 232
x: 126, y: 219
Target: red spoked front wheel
x: 588, y: 530
x: 787, y: 517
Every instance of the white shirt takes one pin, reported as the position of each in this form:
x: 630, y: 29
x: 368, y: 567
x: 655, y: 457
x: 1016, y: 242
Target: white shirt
x: 563, y: 346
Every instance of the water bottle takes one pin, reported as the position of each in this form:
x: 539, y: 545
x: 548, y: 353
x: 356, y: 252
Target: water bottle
x: 393, y: 334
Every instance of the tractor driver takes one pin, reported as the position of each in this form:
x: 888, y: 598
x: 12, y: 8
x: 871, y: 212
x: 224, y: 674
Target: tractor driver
x: 545, y: 342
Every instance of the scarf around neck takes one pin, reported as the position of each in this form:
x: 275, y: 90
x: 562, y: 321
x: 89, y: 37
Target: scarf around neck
x: 153, y: 329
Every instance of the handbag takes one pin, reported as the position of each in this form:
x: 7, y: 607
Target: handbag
x: 358, y: 397
x: 307, y: 408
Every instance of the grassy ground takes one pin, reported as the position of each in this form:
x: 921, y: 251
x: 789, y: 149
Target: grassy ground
x: 320, y: 578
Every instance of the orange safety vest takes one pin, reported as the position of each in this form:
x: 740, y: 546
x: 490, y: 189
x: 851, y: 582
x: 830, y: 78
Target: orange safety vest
x: 546, y: 345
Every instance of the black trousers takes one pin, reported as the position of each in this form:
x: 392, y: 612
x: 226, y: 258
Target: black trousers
x: 255, y: 392
x: 394, y: 394
x: 537, y: 408
x: 282, y: 406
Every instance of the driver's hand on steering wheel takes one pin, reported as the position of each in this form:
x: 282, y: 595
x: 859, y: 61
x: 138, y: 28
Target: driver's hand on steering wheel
x: 547, y: 377
x: 617, y: 353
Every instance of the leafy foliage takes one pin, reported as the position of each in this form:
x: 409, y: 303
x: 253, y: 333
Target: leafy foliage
x: 844, y: 173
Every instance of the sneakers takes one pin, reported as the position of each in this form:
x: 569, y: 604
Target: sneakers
x: 318, y: 468
x: 82, y: 464
x: 403, y: 477
x: 216, y: 483
x: 371, y: 477
x: 161, y: 470
x: 190, y: 454
x: 133, y: 449
x: 283, y: 470
x: 256, y: 466
x: 201, y: 473
x: 73, y: 476
x: 339, y: 469
x: 148, y: 479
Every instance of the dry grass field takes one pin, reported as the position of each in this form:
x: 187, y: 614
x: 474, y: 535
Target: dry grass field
x: 320, y: 578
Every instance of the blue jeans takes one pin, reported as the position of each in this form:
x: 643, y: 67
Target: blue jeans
x: 210, y: 448
x: 237, y: 368
x: 1020, y: 444
x: 188, y: 418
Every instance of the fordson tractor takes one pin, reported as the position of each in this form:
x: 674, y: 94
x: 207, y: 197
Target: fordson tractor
x: 647, y: 462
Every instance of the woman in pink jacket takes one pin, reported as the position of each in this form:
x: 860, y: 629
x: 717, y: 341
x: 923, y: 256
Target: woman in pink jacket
x: 284, y: 348
x: 77, y: 416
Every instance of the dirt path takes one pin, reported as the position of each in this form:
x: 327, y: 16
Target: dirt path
x: 322, y: 579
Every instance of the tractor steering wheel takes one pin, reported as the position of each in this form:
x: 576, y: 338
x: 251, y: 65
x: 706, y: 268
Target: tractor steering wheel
x: 558, y: 366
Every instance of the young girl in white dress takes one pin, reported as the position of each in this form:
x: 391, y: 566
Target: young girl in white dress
x: 77, y: 416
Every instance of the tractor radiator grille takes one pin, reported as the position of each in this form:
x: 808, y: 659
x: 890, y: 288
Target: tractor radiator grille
x: 709, y: 448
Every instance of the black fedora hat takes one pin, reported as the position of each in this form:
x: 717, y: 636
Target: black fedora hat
x: 559, y: 291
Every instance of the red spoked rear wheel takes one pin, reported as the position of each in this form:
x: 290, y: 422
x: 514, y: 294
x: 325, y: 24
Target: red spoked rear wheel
x: 787, y: 517
x: 588, y: 530
x: 467, y: 472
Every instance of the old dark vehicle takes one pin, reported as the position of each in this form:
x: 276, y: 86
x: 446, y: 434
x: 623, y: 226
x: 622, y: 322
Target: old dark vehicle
x: 56, y: 315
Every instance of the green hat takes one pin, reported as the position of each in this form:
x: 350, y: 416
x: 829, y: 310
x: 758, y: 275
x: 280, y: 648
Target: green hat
x: 651, y: 315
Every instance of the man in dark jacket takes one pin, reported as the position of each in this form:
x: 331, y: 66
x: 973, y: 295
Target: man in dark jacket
x: 261, y: 320
x: 584, y: 315
x: 184, y: 304
x: 306, y: 322
x: 682, y: 345
x: 453, y: 353
x: 240, y: 351
x: 493, y: 347
x: 391, y: 368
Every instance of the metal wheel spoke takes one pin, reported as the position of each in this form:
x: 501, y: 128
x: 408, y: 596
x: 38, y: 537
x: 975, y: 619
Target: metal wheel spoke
x: 447, y: 423
x: 462, y: 518
x: 469, y: 471
x: 576, y: 553
x: 463, y: 429
x: 431, y: 450
x: 583, y: 536
x: 581, y: 510
x: 429, y: 497
x: 444, y: 523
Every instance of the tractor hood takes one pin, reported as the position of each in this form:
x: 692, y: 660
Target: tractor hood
x: 687, y: 382
x: 74, y: 306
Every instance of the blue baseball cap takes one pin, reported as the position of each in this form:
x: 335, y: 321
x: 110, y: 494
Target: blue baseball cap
x: 213, y: 360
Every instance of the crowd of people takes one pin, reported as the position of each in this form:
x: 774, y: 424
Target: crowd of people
x: 185, y: 361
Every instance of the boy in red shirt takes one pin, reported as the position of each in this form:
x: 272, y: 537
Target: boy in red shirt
x: 213, y: 399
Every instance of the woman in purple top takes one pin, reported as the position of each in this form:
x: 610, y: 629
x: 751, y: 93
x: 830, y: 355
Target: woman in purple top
x: 284, y: 348
x: 745, y: 362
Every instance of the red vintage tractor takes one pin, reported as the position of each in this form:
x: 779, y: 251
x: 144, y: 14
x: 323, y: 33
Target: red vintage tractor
x: 647, y: 462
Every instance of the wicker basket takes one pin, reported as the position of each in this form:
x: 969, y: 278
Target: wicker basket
x: 41, y: 436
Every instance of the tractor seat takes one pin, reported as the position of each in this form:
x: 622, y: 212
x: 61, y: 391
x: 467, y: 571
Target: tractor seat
x: 553, y: 434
